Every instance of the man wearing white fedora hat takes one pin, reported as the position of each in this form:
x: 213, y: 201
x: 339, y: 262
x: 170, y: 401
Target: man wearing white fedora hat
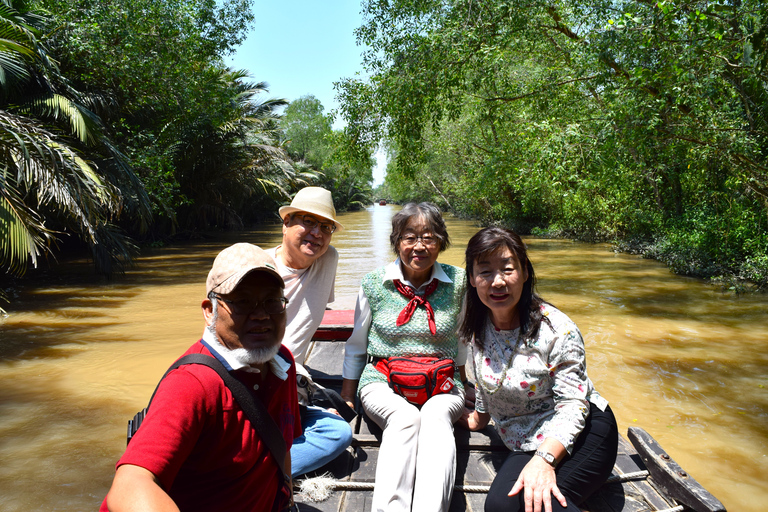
x: 307, y: 262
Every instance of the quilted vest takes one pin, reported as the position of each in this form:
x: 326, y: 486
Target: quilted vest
x: 386, y: 339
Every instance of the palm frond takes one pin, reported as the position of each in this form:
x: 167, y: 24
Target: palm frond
x: 82, y: 122
x: 22, y: 232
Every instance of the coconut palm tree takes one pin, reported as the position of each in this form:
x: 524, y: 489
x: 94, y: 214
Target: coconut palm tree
x: 232, y: 154
x: 58, y: 170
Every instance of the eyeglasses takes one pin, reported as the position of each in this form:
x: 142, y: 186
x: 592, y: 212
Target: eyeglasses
x: 326, y: 227
x: 273, y: 306
x: 427, y: 240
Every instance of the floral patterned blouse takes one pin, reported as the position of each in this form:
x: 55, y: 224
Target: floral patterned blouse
x: 545, y: 390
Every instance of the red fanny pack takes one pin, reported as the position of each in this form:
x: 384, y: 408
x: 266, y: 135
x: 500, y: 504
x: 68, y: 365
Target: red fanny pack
x: 417, y: 379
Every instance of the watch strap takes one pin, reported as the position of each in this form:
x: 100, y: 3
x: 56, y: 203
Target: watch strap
x: 547, y: 457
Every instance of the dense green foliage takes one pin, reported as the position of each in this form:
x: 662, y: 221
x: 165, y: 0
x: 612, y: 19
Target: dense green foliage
x: 60, y: 172
x: 121, y: 124
x: 639, y: 122
x: 642, y: 122
x: 196, y: 133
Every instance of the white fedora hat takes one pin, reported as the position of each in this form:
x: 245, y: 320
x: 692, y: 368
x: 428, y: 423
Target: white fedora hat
x: 315, y: 200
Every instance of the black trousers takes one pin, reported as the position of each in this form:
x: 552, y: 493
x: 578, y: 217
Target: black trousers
x: 578, y: 475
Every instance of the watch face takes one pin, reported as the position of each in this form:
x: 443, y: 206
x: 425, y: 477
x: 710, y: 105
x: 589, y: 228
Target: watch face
x: 546, y: 456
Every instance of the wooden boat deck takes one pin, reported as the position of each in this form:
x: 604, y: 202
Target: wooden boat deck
x: 480, y: 454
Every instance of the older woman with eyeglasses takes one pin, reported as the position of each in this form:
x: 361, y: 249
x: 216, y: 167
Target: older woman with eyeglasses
x: 407, y: 309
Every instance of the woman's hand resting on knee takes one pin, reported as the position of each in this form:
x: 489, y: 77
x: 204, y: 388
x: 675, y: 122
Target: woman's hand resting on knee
x: 538, y: 480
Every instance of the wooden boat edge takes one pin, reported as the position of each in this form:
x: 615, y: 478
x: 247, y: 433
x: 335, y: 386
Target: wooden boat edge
x: 669, y: 476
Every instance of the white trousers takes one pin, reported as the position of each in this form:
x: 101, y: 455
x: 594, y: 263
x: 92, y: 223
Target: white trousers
x: 416, y: 467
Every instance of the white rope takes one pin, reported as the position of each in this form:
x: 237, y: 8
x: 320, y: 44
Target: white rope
x: 627, y: 476
x: 473, y: 488
x: 320, y: 488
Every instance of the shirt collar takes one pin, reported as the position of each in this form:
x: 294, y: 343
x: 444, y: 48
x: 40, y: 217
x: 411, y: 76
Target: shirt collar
x: 278, y: 365
x: 393, y: 271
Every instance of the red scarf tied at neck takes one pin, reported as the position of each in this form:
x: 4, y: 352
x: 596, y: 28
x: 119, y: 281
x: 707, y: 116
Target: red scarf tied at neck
x: 416, y: 300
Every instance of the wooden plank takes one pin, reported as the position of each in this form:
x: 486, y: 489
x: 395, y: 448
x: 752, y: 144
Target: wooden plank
x: 333, y: 333
x: 337, y: 325
x: 357, y: 501
x: 365, y: 440
x: 618, y: 497
x: 332, y: 504
x: 670, y: 477
x: 469, y: 502
x: 368, y: 427
x: 477, y: 468
x: 325, y: 361
x: 486, y: 439
x: 366, y: 457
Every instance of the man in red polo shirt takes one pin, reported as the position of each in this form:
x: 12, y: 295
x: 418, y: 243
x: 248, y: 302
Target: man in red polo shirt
x: 196, y: 450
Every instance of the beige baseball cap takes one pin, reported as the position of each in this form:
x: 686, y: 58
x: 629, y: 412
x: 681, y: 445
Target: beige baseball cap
x: 234, y: 263
x: 315, y: 200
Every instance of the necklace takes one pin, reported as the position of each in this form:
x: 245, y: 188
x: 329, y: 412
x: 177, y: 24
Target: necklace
x: 507, y: 363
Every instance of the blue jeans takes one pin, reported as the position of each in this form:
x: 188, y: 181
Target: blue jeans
x: 325, y: 437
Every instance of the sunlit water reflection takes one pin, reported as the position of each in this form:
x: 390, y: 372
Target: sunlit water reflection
x: 78, y: 357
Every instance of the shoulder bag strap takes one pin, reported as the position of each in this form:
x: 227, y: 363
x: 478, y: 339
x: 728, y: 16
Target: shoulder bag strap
x: 262, y: 422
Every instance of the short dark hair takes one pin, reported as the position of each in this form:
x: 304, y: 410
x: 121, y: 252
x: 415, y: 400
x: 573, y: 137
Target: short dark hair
x: 431, y: 215
x: 485, y: 242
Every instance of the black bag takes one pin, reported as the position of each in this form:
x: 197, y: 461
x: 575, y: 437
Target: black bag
x: 331, y: 399
x: 135, y: 423
x: 312, y: 393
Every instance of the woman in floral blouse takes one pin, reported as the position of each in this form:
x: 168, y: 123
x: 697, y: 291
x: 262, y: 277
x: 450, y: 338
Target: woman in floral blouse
x: 529, y: 364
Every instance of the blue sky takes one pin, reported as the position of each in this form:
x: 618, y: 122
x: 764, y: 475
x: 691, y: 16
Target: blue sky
x: 302, y: 47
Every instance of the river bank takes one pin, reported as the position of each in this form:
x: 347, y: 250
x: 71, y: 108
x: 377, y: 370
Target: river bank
x: 746, y: 276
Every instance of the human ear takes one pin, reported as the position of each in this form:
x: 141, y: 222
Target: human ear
x: 207, y: 307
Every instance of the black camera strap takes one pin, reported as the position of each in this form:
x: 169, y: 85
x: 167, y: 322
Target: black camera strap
x: 262, y: 422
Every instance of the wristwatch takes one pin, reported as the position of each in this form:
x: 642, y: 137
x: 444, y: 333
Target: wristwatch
x: 547, y: 457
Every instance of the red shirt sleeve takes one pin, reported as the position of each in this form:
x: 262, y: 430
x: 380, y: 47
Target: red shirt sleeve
x: 293, y: 397
x: 174, y: 422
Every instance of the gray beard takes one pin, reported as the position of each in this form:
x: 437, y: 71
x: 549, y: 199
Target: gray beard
x: 243, y: 355
x: 256, y: 355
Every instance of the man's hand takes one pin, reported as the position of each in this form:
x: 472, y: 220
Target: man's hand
x: 348, y: 392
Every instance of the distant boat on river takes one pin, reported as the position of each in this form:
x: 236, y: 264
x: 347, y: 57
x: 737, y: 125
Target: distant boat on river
x: 382, y: 202
x: 644, y: 478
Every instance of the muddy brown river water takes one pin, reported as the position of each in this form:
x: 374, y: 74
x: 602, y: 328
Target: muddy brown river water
x: 79, y: 356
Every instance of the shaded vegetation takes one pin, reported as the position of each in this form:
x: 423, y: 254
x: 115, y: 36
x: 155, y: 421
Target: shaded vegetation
x: 639, y: 122
x: 121, y: 126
